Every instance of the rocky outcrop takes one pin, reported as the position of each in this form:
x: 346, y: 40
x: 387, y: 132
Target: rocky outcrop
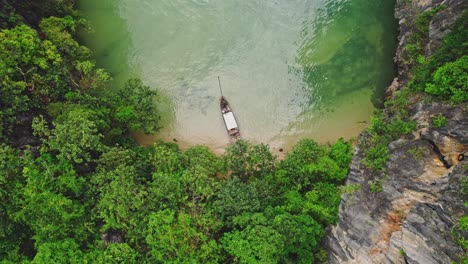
x: 451, y: 140
x: 406, y: 12
x: 410, y: 219
x: 427, y: 233
x: 408, y: 212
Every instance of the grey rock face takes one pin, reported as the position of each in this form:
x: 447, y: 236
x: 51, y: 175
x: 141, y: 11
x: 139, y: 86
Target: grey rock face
x: 427, y: 232
x: 413, y: 219
x: 440, y: 24
x: 451, y: 139
x: 373, y: 227
x: 407, y: 11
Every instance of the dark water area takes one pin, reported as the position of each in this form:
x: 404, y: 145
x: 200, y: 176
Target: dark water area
x: 361, y: 57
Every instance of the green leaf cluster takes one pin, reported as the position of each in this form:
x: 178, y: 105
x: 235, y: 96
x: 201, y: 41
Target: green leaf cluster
x: 414, y: 49
x: 380, y: 133
x: 450, y: 81
x: 40, y: 66
x: 439, y: 120
x: 444, y: 74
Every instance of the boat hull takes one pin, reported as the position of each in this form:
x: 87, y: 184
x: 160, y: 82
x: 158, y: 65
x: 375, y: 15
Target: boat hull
x: 229, y: 120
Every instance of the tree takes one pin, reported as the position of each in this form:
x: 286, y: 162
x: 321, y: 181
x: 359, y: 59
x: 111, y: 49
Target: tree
x: 304, y: 153
x: 80, y: 69
x: 166, y: 191
x: 49, y: 201
x: 121, y: 201
x: 167, y: 158
x: 20, y: 46
x: 254, y: 244
x: 201, y: 156
x: 90, y: 77
x: 8, y: 17
x: 247, y: 160
x: 174, y: 238
x: 19, y: 56
x: 36, y: 71
x: 59, y: 251
x: 300, y: 233
x: 134, y: 107
x: 137, y: 157
x: 235, y: 198
x: 58, y: 30
x: 114, y: 253
x: 199, y: 187
x: 32, y: 11
x: 324, y: 169
x: 12, y: 185
x: 76, y: 138
x: 322, y: 203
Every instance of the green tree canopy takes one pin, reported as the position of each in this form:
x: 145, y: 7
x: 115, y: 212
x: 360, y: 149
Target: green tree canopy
x: 76, y: 138
x: 247, y: 160
x: 174, y: 238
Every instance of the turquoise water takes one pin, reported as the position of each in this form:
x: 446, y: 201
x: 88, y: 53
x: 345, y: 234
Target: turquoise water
x: 291, y: 69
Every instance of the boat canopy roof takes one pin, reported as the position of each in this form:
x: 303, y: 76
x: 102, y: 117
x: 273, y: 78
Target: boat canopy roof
x: 229, y: 120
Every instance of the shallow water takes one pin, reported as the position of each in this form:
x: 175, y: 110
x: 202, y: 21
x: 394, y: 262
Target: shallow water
x: 290, y: 68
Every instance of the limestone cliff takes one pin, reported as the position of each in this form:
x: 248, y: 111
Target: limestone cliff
x: 413, y: 219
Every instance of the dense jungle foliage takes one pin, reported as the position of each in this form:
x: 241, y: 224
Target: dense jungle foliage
x: 76, y: 188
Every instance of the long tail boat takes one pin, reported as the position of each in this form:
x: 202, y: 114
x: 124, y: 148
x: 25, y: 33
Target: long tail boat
x: 229, y: 119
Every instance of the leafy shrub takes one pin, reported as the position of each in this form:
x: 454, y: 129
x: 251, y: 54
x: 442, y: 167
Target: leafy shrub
x: 383, y: 131
x: 451, y: 81
x: 350, y: 188
x: 416, y: 152
x: 376, y: 186
x: 399, y: 103
x: 341, y: 153
x: 463, y: 223
x: 377, y: 125
x: 463, y: 181
x: 398, y: 127
x: 453, y: 47
x: 422, y: 20
x: 439, y: 120
x: 321, y: 256
x: 376, y: 157
x: 415, y: 47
